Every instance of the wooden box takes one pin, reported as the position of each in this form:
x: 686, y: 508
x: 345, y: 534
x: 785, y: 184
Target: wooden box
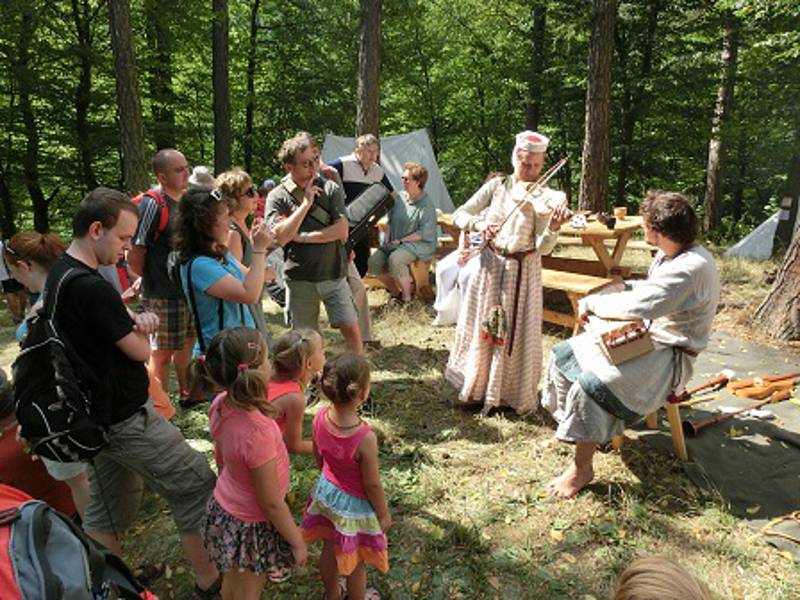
x: 626, y: 342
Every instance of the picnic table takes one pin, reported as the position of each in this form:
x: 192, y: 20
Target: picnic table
x: 596, y: 235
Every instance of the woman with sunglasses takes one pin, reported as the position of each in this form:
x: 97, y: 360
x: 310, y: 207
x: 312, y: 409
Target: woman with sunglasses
x: 216, y: 288
x: 242, y: 198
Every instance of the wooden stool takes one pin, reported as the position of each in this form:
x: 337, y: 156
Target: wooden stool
x: 421, y: 275
x: 675, y: 426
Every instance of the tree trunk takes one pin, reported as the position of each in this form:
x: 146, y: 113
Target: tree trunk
x: 26, y: 84
x: 369, y: 68
x: 130, y: 109
x: 430, y: 96
x: 738, y: 180
x: 722, y: 110
x: 634, y: 97
x: 594, y: 171
x: 533, y: 108
x: 159, y: 72
x: 82, y: 17
x: 222, y: 104
x: 790, y: 199
x: 7, y: 225
x: 250, y: 108
x: 779, y: 313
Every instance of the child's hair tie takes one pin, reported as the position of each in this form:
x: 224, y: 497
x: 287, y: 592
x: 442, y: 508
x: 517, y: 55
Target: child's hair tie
x: 201, y: 359
x: 243, y: 366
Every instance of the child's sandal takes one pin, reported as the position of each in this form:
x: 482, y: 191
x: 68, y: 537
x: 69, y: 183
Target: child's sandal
x: 373, y: 593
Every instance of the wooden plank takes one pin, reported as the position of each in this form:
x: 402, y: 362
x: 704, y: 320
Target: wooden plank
x: 597, y: 229
x: 573, y: 282
x: 574, y: 265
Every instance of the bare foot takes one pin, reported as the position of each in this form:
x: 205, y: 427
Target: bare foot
x: 571, y: 481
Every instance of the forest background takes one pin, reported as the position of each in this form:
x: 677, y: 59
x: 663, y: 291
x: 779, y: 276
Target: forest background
x: 685, y: 75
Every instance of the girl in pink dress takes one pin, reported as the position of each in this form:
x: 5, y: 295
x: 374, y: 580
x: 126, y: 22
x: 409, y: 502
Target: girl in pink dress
x: 297, y: 357
x: 248, y: 529
x: 347, y: 509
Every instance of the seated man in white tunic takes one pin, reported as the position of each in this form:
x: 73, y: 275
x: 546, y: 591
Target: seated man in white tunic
x: 591, y: 399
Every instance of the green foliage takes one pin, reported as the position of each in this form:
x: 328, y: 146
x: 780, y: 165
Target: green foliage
x: 463, y: 69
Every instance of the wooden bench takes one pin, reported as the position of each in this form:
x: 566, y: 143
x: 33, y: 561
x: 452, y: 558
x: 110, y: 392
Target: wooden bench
x: 420, y: 275
x: 575, y: 286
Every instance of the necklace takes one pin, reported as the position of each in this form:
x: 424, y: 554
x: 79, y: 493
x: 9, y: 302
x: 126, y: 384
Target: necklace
x: 342, y: 427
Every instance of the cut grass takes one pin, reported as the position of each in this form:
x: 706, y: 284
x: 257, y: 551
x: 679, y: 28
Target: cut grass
x: 466, y: 492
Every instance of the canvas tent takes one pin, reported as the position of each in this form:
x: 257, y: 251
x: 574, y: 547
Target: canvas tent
x: 396, y: 150
x: 758, y: 244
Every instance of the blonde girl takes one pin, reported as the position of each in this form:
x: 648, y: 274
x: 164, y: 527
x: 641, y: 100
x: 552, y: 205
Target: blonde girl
x: 297, y: 357
x: 248, y: 530
x: 347, y: 509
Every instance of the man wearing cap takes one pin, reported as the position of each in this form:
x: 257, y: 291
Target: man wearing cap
x: 173, y: 340
x: 496, y: 358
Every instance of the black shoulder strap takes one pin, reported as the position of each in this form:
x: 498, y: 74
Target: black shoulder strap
x: 53, y: 293
x: 193, y: 305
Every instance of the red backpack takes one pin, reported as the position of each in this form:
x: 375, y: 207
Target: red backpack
x: 161, y: 201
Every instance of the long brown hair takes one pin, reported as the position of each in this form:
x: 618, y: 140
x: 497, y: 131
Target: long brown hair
x: 34, y: 247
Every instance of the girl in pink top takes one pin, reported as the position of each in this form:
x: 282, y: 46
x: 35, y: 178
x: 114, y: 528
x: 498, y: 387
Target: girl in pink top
x: 297, y: 357
x: 248, y: 529
x: 347, y: 509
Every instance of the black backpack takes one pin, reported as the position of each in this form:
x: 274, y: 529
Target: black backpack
x: 53, y: 386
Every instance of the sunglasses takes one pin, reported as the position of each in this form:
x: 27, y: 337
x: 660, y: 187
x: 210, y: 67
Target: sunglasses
x: 9, y: 249
x: 251, y: 191
x: 308, y: 163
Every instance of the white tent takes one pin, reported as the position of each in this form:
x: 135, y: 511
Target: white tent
x: 396, y: 150
x: 758, y: 244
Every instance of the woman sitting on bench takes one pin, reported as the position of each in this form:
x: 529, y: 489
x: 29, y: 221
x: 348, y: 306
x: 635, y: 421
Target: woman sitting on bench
x: 592, y: 399
x: 412, y: 234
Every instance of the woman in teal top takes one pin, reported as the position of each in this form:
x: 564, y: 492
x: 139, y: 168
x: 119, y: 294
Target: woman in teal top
x: 212, y: 280
x: 412, y: 234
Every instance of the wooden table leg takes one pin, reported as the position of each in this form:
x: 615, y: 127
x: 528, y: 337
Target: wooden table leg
x: 676, y: 427
x: 573, y: 301
x: 602, y: 253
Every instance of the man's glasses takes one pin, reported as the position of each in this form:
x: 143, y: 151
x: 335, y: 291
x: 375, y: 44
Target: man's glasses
x: 308, y: 163
x: 8, y: 248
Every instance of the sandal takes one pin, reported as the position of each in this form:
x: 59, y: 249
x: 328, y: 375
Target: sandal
x: 280, y: 574
x: 373, y: 593
x: 187, y: 402
x: 147, y: 573
x: 211, y: 592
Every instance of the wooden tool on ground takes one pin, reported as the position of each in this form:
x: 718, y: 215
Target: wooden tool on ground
x: 719, y: 381
x: 759, y: 392
x: 694, y: 427
x: 745, y: 383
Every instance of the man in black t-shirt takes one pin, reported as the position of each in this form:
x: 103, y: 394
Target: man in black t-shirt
x: 307, y: 214
x: 152, y: 243
x: 114, y: 343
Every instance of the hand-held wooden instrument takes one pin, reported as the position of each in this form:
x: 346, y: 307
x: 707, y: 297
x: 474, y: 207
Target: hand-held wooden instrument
x: 719, y: 381
x: 692, y: 428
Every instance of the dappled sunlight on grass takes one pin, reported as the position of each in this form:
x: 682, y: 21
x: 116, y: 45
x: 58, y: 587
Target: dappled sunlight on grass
x: 472, y: 519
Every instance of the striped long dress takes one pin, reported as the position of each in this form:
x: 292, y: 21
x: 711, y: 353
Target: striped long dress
x: 484, y: 372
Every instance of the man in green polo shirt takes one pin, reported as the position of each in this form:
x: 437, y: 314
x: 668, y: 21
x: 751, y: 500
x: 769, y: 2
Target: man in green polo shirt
x: 308, y: 218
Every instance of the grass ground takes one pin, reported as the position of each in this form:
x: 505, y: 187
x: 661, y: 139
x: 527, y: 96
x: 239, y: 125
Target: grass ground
x: 466, y: 492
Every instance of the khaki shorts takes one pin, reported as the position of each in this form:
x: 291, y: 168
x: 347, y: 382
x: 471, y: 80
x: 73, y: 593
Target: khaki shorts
x: 303, y: 298
x: 146, y: 448
x: 174, y: 323
x: 395, y: 262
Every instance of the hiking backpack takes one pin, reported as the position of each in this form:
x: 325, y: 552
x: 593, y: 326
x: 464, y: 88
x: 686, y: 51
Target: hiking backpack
x: 45, y: 556
x: 161, y: 201
x: 53, y: 387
